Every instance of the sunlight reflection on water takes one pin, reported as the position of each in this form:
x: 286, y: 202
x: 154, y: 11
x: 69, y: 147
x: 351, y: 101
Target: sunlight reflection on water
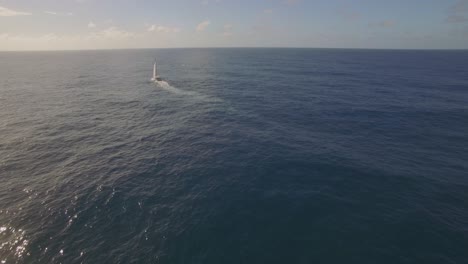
x: 13, y: 244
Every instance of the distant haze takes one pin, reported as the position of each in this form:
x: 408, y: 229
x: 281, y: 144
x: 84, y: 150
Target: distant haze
x: 106, y: 24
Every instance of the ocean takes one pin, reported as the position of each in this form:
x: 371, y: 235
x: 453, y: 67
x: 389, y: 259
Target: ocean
x: 240, y: 156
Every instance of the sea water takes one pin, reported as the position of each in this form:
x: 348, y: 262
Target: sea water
x: 240, y: 156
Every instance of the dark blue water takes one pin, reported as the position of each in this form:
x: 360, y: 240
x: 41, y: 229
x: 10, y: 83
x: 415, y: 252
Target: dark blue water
x: 245, y: 156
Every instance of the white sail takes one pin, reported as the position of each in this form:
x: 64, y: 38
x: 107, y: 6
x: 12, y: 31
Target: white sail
x: 154, y: 71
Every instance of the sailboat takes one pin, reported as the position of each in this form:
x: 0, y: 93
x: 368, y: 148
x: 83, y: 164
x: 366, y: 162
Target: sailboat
x: 156, y: 77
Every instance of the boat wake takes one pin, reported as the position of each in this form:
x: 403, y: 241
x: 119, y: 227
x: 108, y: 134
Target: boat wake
x: 166, y: 86
x: 169, y: 88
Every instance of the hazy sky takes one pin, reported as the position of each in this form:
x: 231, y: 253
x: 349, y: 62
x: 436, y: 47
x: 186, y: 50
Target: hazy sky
x: 97, y: 24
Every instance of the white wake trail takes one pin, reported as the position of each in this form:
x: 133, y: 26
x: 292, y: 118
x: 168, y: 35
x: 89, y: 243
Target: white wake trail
x: 174, y: 90
x: 166, y: 86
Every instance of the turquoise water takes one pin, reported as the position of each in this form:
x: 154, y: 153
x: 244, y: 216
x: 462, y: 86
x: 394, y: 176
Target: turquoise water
x: 243, y: 156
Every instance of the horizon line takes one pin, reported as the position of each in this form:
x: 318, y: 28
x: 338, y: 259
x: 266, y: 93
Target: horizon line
x: 243, y: 47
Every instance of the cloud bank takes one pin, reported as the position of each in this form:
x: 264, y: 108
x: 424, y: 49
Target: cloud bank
x: 202, y: 26
x: 163, y: 29
x: 6, y: 12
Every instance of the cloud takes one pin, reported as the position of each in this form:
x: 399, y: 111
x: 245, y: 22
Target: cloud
x: 268, y: 11
x: 202, y: 26
x: 91, y: 24
x: 108, y: 37
x: 163, y: 29
x: 115, y: 33
x: 9, y: 12
x: 58, y: 13
x: 109, y: 34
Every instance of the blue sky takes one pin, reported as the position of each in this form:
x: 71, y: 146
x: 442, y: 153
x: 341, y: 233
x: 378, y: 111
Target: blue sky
x: 106, y: 24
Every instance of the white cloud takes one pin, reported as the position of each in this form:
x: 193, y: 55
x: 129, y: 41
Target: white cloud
x: 58, y: 13
x: 111, y: 33
x: 91, y: 24
x: 100, y: 38
x: 19, y: 42
x: 202, y: 26
x: 8, y: 12
x: 163, y: 29
x: 115, y: 33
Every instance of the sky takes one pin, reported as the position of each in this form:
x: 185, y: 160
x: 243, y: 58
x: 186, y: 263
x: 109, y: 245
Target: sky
x: 118, y: 24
